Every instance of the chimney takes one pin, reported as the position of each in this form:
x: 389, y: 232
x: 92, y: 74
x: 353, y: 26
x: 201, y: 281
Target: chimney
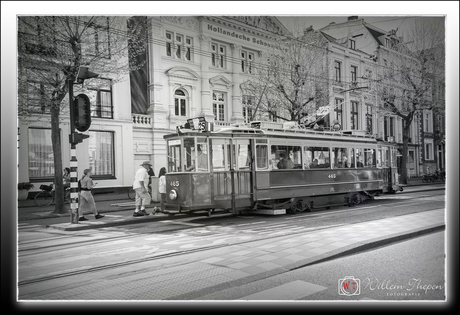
x: 353, y: 17
x: 308, y: 29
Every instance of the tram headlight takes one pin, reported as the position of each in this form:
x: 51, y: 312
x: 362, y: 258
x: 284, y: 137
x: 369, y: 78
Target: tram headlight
x: 173, y: 194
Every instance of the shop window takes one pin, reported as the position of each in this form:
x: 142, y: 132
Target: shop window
x: 101, y: 150
x: 41, y: 160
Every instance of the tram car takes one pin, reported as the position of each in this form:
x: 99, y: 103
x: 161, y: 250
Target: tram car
x: 254, y: 167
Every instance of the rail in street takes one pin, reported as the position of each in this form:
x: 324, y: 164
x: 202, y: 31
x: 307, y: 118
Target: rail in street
x: 233, y: 249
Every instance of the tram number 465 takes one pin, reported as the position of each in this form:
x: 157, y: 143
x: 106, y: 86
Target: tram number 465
x: 174, y: 183
x: 331, y: 175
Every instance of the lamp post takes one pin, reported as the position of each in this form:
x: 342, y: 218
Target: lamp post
x: 80, y: 119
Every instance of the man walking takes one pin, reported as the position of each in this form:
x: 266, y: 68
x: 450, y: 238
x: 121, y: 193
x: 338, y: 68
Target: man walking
x: 141, y: 180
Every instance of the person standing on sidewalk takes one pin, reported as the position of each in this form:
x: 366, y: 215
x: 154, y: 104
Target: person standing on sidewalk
x: 141, y: 180
x: 86, y: 198
x: 162, y: 187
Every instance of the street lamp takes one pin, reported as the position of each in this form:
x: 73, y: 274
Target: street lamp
x: 80, y: 119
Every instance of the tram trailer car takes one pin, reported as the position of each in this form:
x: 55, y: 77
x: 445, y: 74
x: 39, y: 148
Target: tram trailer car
x: 239, y: 169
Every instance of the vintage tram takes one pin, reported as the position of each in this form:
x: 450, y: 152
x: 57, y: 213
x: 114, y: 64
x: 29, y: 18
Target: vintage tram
x: 254, y: 167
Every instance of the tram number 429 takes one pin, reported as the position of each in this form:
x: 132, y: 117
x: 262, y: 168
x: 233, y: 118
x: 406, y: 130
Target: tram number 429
x: 331, y: 175
x: 174, y: 183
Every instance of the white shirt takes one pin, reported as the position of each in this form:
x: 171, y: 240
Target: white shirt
x: 141, y: 175
x: 162, y: 185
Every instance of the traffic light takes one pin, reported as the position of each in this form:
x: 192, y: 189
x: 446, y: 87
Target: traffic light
x: 84, y: 73
x: 76, y: 137
x: 82, y: 112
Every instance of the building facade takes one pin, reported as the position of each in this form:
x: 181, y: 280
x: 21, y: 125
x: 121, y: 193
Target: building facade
x: 362, y: 66
x: 105, y: 151
x: 196, y: 68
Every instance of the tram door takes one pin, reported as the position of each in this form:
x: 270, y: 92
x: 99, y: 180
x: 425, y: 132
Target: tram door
x: 389, y: 166
x: 227, y: 155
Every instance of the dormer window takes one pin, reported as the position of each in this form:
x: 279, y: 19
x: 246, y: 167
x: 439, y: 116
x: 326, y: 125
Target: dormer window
x: 352, y: 44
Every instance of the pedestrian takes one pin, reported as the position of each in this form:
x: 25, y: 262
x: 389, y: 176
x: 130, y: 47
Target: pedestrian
x: 151, y: 174
x: 66, y: 177
x: 86, y: 198
x: 162, y: 187
x: 141, y: 180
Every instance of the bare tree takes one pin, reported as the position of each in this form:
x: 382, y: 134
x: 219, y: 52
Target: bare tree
x: 50, y: 51
x: 291, y: 80
x: 411, y: 70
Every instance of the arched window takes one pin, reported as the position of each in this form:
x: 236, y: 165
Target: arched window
x: 180, y: 103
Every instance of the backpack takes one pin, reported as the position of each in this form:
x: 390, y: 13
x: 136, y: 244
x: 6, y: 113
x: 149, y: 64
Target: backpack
x: 79, y: 185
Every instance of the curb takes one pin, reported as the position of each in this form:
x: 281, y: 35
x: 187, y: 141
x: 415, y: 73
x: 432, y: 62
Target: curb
x: 334, y: 254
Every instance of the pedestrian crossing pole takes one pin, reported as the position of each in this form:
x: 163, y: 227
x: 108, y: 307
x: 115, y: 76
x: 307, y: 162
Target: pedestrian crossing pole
x: 80, y: 119
x: 73, y: 185
x: 73, y: 160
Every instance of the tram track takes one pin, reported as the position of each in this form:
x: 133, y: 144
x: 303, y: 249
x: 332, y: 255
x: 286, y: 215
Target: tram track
x: 157, y: 257
x: 304, y: 217
x: 311, y: 217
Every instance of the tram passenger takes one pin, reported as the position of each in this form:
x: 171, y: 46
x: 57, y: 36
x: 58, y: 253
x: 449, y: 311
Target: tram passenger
x: 285, y: 162
x: 314, y: 164
x: 201, y: 160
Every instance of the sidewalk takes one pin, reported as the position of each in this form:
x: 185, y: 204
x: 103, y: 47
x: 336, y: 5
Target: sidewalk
x: 213, y: 274
x: 121, y: 207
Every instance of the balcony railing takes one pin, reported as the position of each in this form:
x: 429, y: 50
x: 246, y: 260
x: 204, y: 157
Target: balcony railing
x: 142, y: 121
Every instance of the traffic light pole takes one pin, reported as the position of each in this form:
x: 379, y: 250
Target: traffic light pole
x: 73, y: 160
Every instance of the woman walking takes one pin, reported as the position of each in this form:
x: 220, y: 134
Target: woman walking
x: 86, y: 198
x: 162, y: 187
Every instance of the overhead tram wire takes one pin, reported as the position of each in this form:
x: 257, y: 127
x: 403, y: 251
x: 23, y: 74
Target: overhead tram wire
x: 229, y: 58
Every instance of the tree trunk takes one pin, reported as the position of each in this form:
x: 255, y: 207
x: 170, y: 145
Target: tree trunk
x: 57, y: 155
x: 405, y: 151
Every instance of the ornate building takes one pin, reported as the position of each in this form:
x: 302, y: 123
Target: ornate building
x: 196, y: 66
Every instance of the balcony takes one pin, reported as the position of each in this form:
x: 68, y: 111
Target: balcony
x: 142, y: 121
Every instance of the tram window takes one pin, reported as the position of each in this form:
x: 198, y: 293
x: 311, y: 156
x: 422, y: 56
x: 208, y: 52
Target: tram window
x: 394, y: 154
x: 286, y: 157
x: 340, y: 158
x: 244, y: 154
x: 196, y: 158
x: 189, y: 153
x: 369, y: 157
x: 174, y: 156
x: 379, y: 157
x: 229, y: 158
x: 387, y: 157
x: 218, y: 155
x: 359, y: 158
x: 352, y: 158
x: 316, y: 157
x: 262, y: 157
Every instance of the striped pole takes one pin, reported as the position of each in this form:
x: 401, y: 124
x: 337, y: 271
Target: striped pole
x: 73, y: 159
x: 73, y: 185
